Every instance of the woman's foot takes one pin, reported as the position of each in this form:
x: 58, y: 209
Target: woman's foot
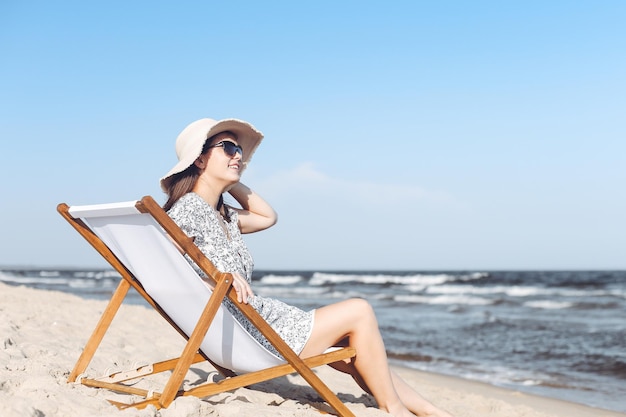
x: 433, y: 411
x: 399, y: 411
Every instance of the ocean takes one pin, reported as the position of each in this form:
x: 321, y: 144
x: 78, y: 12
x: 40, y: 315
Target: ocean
x: 559, y: 334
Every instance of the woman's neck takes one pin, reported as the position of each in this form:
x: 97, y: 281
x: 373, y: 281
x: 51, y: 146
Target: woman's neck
x: 210, y: 194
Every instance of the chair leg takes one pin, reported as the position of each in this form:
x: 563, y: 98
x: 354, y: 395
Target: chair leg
x: 194, y: 341
x: 100, y: 330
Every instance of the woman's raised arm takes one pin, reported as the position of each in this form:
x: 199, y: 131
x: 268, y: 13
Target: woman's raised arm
x: 256, y: 214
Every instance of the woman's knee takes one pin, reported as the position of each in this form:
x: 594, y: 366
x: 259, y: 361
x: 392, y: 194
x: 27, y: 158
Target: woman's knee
x: 363, y: 308
x: 345, y: 315
x: 360, y: 303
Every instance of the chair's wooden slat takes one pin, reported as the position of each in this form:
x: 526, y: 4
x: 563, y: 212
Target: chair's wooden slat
x: 113, y: 386
x: 146, y: 370
x: 295, y: 361
x: 100, y: 330
x: 195, y: 340
x: 244, y: 380
x: 114, y: 303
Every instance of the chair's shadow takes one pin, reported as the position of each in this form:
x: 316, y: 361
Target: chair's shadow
x: 286, y: 389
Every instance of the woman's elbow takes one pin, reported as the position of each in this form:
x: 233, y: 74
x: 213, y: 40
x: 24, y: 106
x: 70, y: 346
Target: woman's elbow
x: 272, y: 219
x: 257, y: 222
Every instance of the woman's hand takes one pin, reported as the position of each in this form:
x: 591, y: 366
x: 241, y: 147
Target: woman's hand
x: 242, y: 288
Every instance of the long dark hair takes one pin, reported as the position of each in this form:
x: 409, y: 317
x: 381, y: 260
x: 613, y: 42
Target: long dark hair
x: 183, y: 182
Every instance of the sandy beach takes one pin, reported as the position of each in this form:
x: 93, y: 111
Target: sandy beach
x: 43, y: 333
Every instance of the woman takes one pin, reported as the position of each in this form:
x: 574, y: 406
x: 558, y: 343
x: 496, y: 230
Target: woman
x: 212, y: 156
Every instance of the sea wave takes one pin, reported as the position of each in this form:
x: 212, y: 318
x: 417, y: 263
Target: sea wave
x: 443, y: 299
x: 512, y: 291
x: 75, y: 278
x: 281, y: 279
x: 27, y: 280
x: 548, y: 304
x: 321, y: 278
x: 97, y: 274
x: 278, y: 291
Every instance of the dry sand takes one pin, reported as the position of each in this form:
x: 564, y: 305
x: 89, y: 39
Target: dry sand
x: 42, y: 334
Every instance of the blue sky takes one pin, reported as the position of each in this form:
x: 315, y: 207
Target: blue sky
x: 399, y: 135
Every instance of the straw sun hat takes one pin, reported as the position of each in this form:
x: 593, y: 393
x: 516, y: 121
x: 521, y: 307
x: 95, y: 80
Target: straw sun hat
x: 191, y: 140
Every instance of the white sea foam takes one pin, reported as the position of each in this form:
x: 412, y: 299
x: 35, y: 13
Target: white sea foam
x: 97, y: 274
x: 416, y: 288
x: 49, y: 273
x: 73, y: 279
x: 520, y: 291
x: 548, y: 305
x: 531, y: 382
x: 511, y: 291
x: 281, y: 279
x: 289, y: 291
x: 473, y: 276
x: 443, y: 299
x: 465, y: 289
x: 503, y: 375
x: 618, y: 293
x: 33, y: 280
x: 320, y: 278
x: 87, y: 283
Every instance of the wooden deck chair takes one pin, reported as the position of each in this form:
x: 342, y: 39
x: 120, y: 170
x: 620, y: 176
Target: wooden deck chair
x: 136, y: 238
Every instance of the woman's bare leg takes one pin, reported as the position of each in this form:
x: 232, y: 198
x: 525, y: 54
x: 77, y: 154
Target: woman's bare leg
x: 347, y: 367
x: 414, y: 401
x: 411, y: 398
x: 355, y: 319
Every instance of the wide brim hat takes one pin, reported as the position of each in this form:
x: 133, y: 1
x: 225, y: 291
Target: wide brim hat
x: 190, y: 142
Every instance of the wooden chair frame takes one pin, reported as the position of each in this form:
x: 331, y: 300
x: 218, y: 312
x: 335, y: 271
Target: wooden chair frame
x: 180, y: 366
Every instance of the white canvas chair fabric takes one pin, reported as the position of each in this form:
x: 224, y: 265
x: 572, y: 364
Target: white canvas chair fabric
x: 143, y: 246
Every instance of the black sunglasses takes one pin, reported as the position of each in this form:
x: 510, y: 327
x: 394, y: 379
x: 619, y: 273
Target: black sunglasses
x: 230, y: 148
